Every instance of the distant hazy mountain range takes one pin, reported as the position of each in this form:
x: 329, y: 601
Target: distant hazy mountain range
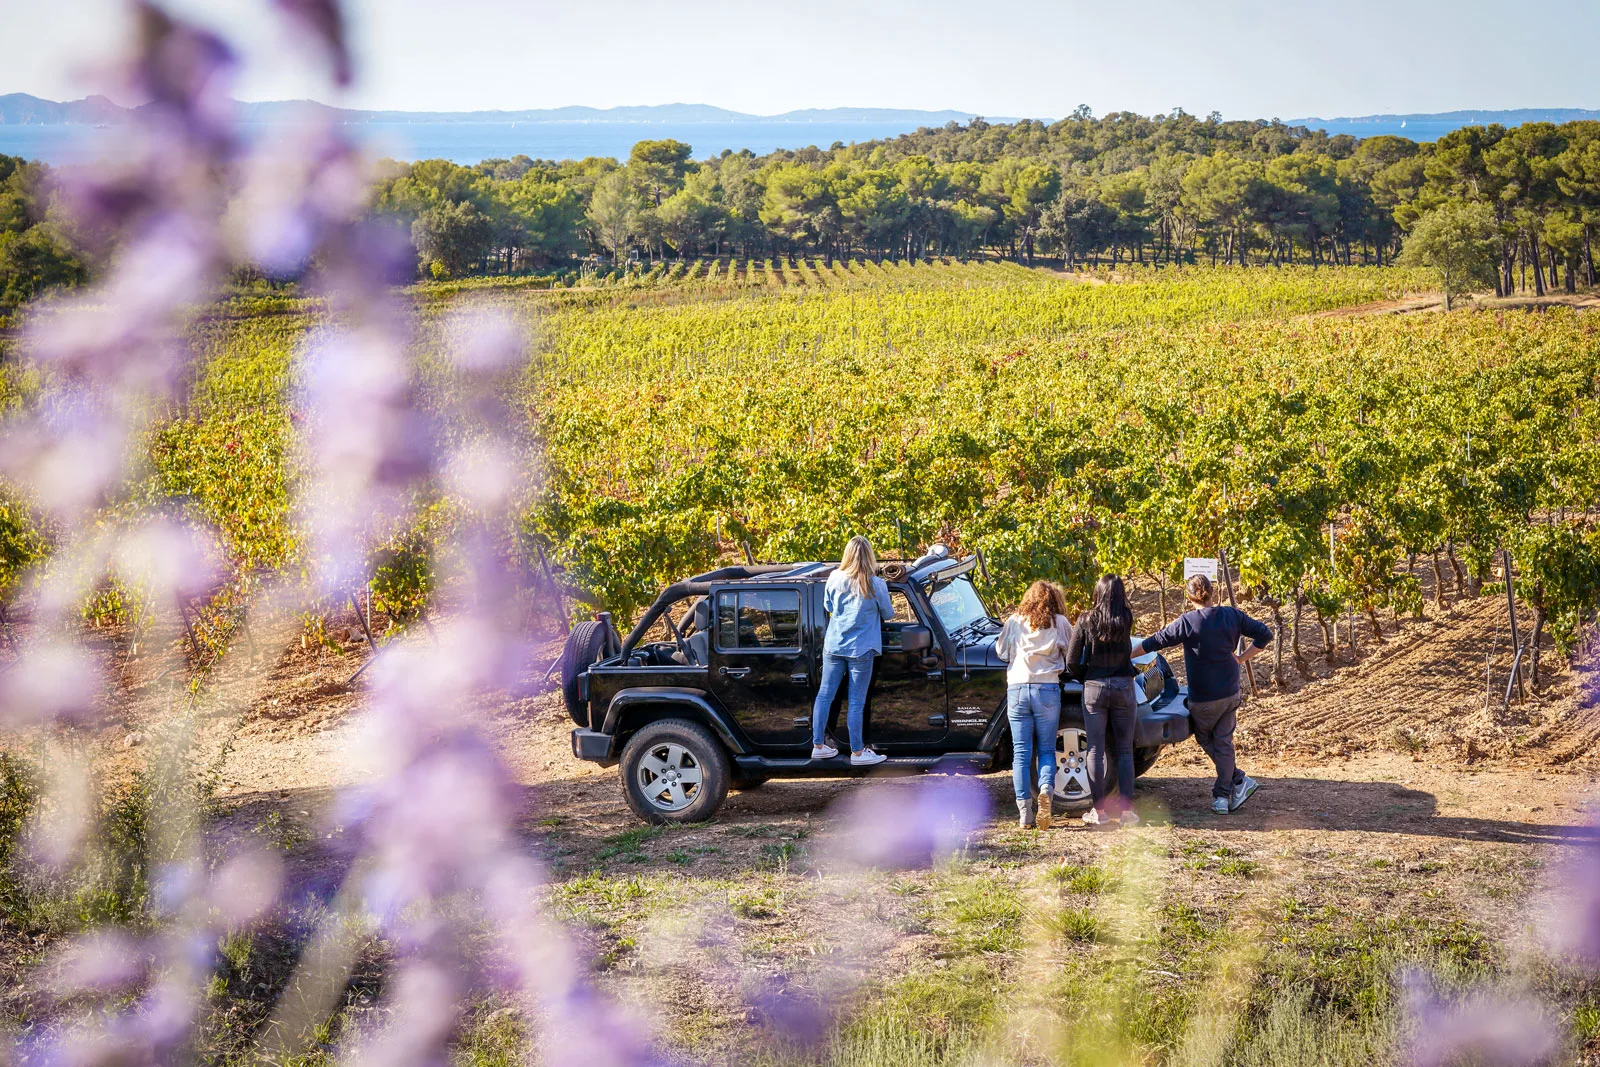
x: 1458, y: 118
x: 22, y: 109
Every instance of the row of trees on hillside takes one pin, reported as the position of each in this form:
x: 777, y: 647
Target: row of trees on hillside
x: 1123, y: 188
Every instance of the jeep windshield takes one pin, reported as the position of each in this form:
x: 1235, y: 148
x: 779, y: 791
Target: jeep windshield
x: 958, y: 605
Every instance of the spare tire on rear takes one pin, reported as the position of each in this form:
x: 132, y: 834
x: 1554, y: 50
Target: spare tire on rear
x: 585, y: 645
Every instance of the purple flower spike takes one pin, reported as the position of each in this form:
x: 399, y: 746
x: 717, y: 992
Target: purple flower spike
x: 910, y: 825
x: 324, y: 20
x: 184, y: 71
x: 795, y: 1017
x: 169, y: 560
x: 56, y: 682
x: 246, y: 887
x: 1482, y: 1028
x: 1574, y: 925
x: 106, y: 961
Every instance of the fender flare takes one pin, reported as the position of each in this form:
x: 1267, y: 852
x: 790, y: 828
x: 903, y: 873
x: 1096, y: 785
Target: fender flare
x: 693, y: 701
x: 997, y: 733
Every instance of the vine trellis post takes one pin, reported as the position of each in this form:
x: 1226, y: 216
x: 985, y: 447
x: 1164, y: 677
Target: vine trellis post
x: 1227, y: 577
x: 1514, y: 681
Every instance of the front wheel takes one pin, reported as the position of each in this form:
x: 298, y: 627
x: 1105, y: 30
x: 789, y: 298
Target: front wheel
x: 1072, y: 768
x: 1144, y: 759
x: 674, y: 771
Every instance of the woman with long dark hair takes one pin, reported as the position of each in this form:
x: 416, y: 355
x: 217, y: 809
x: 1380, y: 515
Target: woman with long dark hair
x: 1100, y: 657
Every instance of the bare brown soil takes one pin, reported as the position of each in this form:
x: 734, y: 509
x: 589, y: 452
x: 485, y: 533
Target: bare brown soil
x: 1581, y: 301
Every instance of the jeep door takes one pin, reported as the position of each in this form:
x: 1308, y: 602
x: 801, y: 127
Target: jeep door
x: 906, y: 706
x: 761, y: 663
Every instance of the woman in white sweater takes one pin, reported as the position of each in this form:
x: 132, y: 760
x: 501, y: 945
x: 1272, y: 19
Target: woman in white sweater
x: 1034, y: 642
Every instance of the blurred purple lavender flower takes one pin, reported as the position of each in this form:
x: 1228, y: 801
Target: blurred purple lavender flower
x: 57, y: 683
x: 1483, y: 1028
x: 324, y: 20
x: 299, y: 192
x: 1572, y: 922
x: 108, y: 961
x: 796, y: 1017
x: 436, y: 825
x: 912, y: 824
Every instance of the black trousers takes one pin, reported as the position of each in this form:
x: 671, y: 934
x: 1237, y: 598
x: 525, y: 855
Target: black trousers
x: 1110, y: 716
x: 1214, y: 722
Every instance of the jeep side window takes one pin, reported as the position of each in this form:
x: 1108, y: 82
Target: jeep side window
x: 758, y: 618
x: 902, y: 607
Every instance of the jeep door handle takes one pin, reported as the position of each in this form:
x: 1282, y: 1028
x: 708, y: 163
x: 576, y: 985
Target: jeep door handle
x: 800, y: 678
x: 936, y: 674
x: 936, y: 720
x: 736, y: 672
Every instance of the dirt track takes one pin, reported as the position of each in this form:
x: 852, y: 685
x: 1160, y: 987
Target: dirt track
x: 1410, y: 712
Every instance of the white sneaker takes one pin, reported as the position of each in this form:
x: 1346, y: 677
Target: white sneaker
x: 823, y: 752
x: 1092, y: 818
x: 866, y: 758
x: 1243, y: 792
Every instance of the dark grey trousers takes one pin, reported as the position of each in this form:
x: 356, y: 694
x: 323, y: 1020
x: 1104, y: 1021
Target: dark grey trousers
x: 1214, y: 723
x: 1110, y: 716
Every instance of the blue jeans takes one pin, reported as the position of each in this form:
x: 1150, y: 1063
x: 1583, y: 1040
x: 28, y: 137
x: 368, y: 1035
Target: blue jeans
x: 1034, y: 712
x: 834, y: 669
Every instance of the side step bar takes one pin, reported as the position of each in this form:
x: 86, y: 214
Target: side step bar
x: 840, y: 766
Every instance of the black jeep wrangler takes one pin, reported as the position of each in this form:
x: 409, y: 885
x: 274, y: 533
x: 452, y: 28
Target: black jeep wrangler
x: 725, y: 701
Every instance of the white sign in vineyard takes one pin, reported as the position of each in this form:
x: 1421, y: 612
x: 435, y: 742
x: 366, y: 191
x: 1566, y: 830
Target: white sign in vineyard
x: 1194, y: 565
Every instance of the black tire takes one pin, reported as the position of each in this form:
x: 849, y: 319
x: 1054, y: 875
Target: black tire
x: 585, y: 645
x: 1144, y: 759
x: 690, y: 744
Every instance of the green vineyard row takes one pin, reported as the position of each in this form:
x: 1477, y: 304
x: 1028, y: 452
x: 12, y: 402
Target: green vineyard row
x: 1061, y: 425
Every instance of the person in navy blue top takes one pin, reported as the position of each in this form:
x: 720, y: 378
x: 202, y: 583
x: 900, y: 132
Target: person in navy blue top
x: 1210, y: 635
x: 857, y: 602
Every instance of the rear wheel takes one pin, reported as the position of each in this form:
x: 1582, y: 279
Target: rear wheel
x: 674, y: 771
x: 1144, y: 759
x: 585, y: 645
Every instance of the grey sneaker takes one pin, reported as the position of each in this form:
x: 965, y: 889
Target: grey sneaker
x: 1129, y: 819
x: 1220, y: 806
x: 1243, y: 792
x: 1025, y: 815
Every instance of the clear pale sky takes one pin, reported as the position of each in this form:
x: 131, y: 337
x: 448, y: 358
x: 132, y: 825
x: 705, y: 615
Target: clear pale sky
x: 1244, y: 58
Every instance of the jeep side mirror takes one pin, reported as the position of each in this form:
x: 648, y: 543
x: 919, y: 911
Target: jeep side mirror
x: 916, y: 639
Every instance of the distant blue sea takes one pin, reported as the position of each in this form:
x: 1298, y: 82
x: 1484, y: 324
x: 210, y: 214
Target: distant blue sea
x: 470, y: 142
x: 1415, y: 131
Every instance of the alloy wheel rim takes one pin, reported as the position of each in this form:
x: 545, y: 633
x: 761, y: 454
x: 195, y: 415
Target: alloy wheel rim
x: 1072, y: 765
x: 669, y: 777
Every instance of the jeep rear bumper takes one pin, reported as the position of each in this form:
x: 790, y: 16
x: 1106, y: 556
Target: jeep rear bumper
x: 594, y: 746
x: 1164, y: 725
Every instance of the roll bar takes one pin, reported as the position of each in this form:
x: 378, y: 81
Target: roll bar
x: 699, y: 585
